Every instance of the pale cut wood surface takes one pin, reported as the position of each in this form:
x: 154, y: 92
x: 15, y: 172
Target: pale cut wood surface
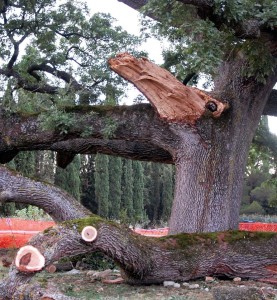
x: 172, y: 100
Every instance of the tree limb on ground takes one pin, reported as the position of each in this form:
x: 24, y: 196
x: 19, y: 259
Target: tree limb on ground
x: 145, y: 260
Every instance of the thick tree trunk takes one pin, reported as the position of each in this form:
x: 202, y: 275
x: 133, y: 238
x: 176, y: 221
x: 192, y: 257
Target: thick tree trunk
x: 208, y: 187
x: 211, y: 155
x: 211, y: 158
x: 146, y: 260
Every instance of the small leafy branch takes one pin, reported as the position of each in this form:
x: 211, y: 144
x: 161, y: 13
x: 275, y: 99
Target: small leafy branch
x: 57, y: 119
x: 110, y: 128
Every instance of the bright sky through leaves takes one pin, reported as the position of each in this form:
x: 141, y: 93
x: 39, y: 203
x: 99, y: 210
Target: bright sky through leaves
x: 129, y: 19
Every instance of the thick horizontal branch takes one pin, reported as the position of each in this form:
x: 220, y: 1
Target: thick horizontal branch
x: 173, y: 101
x: 145, y: 151
x: 54, y: 201
x: 44, y: 67
x: 29, y: 86
x: 128, y: 131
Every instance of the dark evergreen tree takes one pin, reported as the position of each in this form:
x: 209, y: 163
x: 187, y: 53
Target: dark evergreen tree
x: 127, y: 208
x: 115, y: 191
x: 102, y: 184
x: 69, y: 178
x: 25, y: 163
x: 138, y: 191
x: 87, y: 175
x: 167, y: 183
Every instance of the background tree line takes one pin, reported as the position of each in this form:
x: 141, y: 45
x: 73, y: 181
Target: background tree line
x: 116, y: 188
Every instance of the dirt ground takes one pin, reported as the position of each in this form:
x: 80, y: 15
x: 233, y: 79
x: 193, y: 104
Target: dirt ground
x: 82, y: 285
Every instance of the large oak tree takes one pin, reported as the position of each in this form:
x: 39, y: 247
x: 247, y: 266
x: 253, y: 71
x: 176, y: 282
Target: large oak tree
x: 206, y: 135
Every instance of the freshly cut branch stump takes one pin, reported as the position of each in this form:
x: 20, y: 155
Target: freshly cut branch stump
x: 172, y: 100
x: 89, y: 233
x: 51, y: 268
x: 29, y: 259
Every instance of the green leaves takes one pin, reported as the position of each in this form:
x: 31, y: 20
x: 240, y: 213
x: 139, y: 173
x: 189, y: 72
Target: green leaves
x: 201, y: 44
x: 58, y: 120
x: 66, y: 37
x: 198, y: 44
x: 260, y: 61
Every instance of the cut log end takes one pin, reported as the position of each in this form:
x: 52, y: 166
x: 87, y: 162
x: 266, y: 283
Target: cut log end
x: 51, y: 269
x: 89, y: 233
x: 29, y: 259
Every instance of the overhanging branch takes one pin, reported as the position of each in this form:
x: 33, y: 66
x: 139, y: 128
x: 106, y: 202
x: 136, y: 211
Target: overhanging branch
x: 133, y: 133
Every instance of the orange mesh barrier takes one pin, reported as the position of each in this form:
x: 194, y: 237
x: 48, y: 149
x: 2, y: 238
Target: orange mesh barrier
x: 14, y: 233
x: 258, y: 226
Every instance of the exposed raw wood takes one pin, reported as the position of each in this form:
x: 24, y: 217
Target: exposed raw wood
x: 51, y: 269
x: 29, y: 259
x: 89, y: 233
x: 173, y: 101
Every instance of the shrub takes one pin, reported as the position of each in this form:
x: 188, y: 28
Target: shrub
x: 253, y: 208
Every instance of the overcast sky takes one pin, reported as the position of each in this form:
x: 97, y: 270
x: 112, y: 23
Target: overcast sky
x: 129, y: 19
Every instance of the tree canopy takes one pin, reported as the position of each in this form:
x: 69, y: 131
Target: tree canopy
x: 60, y: 48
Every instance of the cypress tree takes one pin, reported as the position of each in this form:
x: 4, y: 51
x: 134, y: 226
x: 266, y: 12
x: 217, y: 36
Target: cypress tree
x: 69, y: 178
x: 102, y: 184
x: 24, y: 163
x: 87, y: 175
x: 157, y: 191
x: 154, y: 191
x: 127, y: 210
x: 115, y: 192
x: 138, y: 191
x: 167, y: 191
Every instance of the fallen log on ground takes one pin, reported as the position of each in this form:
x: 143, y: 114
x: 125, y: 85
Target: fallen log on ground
x: 144, y: 260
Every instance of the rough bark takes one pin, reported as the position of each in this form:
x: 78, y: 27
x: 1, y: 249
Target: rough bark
x: 145, y: 260
x: 135, y: 135
x: 57, y: 203
x: 173, y: 101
